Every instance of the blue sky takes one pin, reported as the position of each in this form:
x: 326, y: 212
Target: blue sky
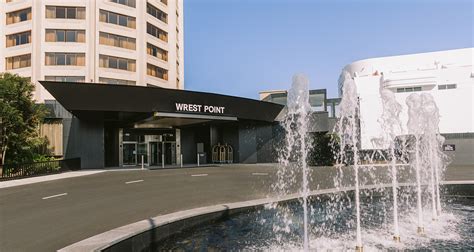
x: 241, y: 47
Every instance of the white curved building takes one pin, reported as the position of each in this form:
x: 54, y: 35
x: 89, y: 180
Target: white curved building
x: 447, y: 75
x: 132, y: 42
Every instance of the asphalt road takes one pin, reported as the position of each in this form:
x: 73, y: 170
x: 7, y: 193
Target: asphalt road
x: 51, y: 215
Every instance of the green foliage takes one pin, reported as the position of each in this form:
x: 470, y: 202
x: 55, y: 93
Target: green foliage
x: 42, y: 158
x: 20, y: 118
x: 322, y: 151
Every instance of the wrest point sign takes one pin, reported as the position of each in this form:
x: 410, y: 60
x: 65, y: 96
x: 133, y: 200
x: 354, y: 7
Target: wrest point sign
x: 189, y: 107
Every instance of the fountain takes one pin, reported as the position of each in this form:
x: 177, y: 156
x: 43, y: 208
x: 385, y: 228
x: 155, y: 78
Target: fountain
x: 414, y: 127
x: 347, y: 130
x: 293, y: 158
x: 373, y: 202
x: 390, y: 122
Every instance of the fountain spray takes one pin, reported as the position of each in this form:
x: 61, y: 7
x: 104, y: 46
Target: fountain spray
x: 348, y: 131
x: 390, y: 122
x: 414, y: 127
x: 293, y: 157
x: 430, y: 124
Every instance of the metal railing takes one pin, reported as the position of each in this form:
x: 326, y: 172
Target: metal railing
x: 39, y: 168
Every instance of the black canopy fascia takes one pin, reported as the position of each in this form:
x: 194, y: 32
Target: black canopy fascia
x: 128, y: 104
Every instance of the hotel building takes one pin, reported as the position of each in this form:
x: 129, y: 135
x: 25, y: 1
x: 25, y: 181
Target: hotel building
x: 447, y: 75
x: 128, y: 42
x: 95, y: 64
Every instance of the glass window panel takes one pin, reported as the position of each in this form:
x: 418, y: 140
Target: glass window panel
x: 71, y: 13
x: 60, y: 59
x: 122, y: 20
x: 70, y: 36
x: 103, y: 16
x: 23, y: 16
x: 10, y: 41
x: 122, y: 42
x: 60, y: 36
x: 81, y: 36
x: 123, y: 64
x: 22, y: 39
x: 23, y: 61
x: 49, y: 59
x: 16, y: 62
x: 80, y: 13
x: 336, y: 110
x: 116, y: 41
x: 103, y: 61
x: 71, y: 60
x: 112, y: 18
x: 60, y: 12
x: 50, y: 36
x: 113, y: 62
x: 131, y: 22
x: 50, y: 12
x: 103, y: 38
x: 131, y: 65
x: 81, y: 59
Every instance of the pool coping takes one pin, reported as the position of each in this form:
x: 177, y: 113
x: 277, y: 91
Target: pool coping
x: 112, y: 237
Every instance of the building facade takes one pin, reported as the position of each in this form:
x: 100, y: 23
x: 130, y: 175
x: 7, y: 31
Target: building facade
x: 128, y: 42
x: 324, y: 110
x: 159, y: 127
x: 447, y: 75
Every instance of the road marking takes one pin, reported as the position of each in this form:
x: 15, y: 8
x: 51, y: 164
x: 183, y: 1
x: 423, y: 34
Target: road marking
x: 199, y: 175
x: 134, y: 181
x: 54, y: 196
x: 260, y: 173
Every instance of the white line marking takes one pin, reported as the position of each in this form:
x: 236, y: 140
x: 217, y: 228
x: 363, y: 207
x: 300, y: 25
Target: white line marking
x: 260, y: 173
x: 54, y: 196
x: 199, y: 175
x: 134, y: 181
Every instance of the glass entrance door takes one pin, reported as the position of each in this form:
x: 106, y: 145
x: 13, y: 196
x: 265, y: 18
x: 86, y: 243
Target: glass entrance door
x: 142, y: 152
x: 170, y: 153
x: 130, y: 153
x: 155, y: 153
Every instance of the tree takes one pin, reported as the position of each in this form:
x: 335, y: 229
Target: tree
x: 20, y: 118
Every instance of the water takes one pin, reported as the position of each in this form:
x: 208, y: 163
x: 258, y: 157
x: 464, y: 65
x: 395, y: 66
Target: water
x: 421, y: 143
x: 253, y: 230
x: 347, y: 128
x: 429, y: 161
x: 293, y: 157
x: 391, y: 126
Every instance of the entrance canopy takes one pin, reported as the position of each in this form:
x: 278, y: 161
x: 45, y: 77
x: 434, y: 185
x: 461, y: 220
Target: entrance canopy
x: 136, y: 105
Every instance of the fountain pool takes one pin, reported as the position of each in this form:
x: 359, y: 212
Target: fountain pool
x: 253, y: 229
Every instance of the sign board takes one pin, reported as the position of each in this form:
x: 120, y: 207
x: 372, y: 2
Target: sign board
x: 449, y: 147
x: 199, y: 108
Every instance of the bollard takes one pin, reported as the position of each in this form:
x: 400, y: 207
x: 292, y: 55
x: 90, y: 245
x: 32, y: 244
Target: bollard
x: 181, y: 160
x: 142, y: 164
x: 198, y: 158
x: 162, y: 160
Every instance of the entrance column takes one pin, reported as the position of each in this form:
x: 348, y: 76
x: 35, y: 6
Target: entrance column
x: 178, y: 146
x: 120, y: 145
